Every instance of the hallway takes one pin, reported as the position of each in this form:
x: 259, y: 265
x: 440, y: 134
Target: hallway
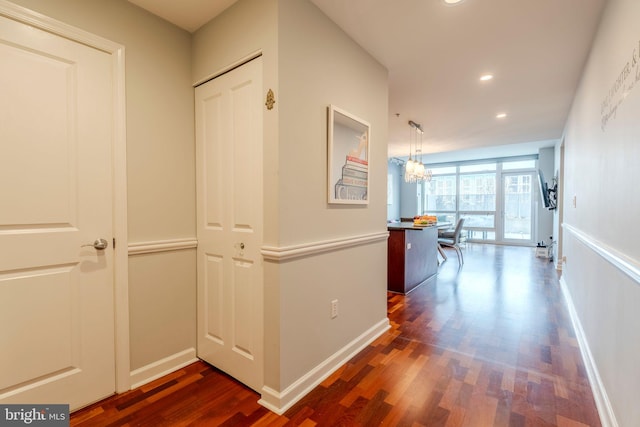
x: 488, y: 345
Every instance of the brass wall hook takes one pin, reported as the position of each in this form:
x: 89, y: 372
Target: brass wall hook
x: 271, y: 99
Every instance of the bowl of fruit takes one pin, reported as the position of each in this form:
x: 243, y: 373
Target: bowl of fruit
x: 424, y: 220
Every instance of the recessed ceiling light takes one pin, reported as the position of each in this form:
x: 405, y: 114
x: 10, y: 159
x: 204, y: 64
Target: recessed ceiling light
x: 452, y: 2
x: 501, y: 115
x: 486, y: 77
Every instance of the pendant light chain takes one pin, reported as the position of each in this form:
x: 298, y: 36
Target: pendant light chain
x: 414, y: 170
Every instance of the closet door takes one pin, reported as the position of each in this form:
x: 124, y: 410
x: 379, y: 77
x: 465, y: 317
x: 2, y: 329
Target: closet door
x: 229, y: 191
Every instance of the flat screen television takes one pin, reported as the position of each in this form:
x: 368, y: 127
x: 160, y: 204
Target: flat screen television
x: 544, y: 191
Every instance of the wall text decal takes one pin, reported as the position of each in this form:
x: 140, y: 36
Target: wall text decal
x: 625, y: 82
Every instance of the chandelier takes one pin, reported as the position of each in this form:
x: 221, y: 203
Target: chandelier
x: 414, y: 169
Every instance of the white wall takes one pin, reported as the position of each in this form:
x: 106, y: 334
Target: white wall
x: 409, y: 199
x: 319, y: 65
x: 558, y: 214
x: 162, y: 317
x: 602, y: 271
x: 160, y: 167
x: 309, y: 63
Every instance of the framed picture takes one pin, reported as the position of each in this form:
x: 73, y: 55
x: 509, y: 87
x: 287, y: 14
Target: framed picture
x: 348, y: 158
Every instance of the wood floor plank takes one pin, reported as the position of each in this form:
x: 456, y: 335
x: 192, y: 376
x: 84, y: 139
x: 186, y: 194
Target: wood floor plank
x: 489, y: 344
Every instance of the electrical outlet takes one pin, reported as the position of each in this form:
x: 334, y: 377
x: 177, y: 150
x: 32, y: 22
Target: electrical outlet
x: 334, y: 308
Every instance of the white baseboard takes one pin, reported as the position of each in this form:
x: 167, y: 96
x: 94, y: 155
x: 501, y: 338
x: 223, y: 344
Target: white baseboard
x: 279, y: 402
x: 162, y: 367
x: 605, y: 410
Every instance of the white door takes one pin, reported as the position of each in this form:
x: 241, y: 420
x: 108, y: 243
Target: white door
x: 517, y: 207
x: 56, y: 297
x: 229, y: 182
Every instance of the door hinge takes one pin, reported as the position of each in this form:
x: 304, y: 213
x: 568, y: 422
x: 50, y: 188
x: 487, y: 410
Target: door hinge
x: 114, y: 243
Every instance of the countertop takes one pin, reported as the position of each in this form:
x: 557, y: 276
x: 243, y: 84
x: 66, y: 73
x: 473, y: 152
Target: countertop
x: 410, y: 226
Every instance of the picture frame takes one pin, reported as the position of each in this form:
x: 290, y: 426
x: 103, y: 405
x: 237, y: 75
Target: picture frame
x: 348, y: 140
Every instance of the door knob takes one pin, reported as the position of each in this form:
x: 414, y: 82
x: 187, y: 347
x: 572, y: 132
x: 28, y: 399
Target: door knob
x: 99, y: 244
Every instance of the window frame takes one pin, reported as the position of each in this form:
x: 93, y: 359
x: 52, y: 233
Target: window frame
x: 498, y: 174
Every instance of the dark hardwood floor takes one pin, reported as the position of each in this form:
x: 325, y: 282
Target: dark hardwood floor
x: 490, y: 344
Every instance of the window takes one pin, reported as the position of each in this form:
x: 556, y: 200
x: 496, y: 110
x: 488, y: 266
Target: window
x: 444, y: 170
x: 481, y: 235
x: 441, y: 193
x: 478, y: 192
x: 479, y: 220
x: 519, y: 164
x: 478, y: 168
x: 518, y: 184
x: 517, y: 206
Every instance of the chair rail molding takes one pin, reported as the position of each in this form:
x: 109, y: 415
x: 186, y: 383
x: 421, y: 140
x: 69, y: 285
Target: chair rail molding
x: 620, y: 261
x: 284, y: 253
x: 149, y: 247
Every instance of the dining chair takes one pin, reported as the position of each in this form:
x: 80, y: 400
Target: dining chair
x: 451, y: 239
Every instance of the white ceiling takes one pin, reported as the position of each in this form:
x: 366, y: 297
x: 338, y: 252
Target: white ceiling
x: 435, y: 54
x: 187, y: 14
